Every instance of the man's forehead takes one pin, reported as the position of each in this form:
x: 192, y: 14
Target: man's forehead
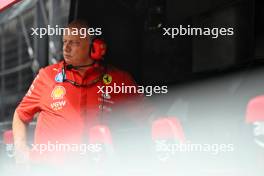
x: 71, y: 37
x: 74, y: 34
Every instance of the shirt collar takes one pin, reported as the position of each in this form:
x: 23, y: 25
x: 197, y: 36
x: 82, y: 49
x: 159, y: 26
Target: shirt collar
x: 96, y: 68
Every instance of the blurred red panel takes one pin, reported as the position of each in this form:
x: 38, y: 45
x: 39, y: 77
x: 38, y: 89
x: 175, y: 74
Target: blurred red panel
x: 7, y: 3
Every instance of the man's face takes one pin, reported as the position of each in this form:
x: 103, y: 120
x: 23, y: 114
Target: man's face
x: 75, y: 49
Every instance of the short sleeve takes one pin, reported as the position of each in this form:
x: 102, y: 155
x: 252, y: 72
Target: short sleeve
x: 30, y: 104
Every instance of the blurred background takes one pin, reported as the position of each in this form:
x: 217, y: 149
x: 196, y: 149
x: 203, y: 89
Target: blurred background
x: 210, y: 80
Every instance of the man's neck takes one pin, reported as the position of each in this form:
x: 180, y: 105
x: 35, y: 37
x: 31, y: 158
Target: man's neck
x: 82, y: 70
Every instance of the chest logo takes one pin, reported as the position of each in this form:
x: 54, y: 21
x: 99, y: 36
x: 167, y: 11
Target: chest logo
x: 58, y: 92
x: 58, y: 105
x: 59, y: 77
x: 107, y: 79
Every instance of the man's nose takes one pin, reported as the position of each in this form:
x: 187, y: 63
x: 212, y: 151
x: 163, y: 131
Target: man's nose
x: 67, y: 47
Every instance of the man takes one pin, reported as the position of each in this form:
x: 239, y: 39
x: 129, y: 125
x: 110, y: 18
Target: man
x: 68, y: 96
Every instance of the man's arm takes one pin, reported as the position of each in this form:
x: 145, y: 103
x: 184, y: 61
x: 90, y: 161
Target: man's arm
x: 27, y: 108
x: 20, y: 139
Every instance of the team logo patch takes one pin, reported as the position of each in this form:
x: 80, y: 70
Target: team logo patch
x: 58, y: 92
x: 106, y: 95
x: 59, y: 77
x: 107, y: 79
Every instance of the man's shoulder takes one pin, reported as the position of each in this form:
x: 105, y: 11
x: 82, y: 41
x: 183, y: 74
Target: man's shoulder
x: 53, y: 67
x: 120, y: 76
x: 51, y: 70
x: 116, y: 71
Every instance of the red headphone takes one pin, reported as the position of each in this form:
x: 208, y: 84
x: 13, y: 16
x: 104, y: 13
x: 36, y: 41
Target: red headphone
x: 97, y: 49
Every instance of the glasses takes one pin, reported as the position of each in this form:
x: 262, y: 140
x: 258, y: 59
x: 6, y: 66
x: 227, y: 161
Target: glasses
x: 90, y: 83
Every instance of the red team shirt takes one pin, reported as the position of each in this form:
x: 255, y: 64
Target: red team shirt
x: 66, y: 111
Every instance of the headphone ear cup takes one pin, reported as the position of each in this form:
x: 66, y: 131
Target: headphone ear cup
x: 97, y: 49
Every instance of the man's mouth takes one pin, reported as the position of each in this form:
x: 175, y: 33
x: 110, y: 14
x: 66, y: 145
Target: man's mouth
x: 67, y: 56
